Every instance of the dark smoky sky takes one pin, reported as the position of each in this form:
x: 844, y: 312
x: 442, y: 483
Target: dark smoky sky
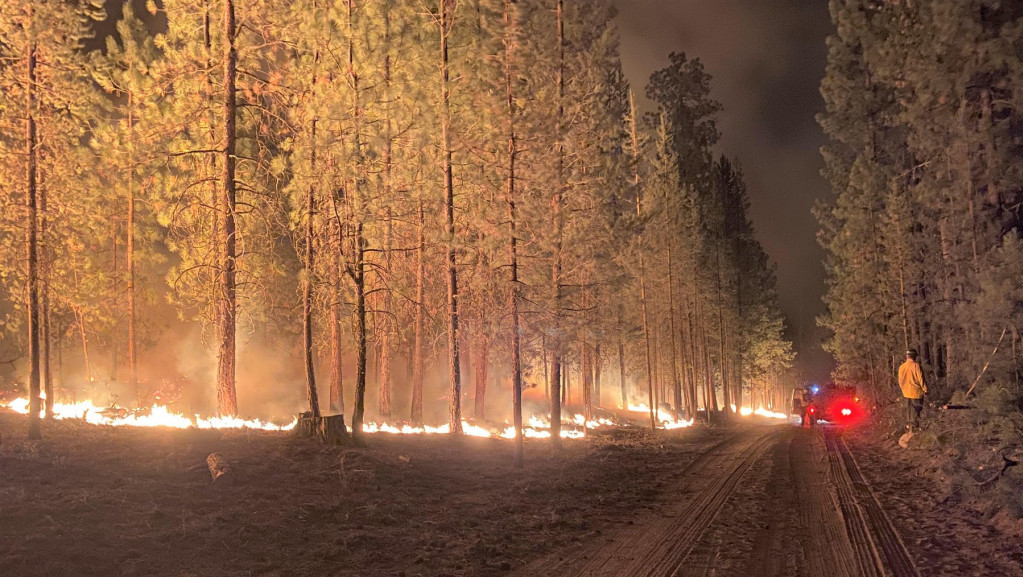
x: 766, y: 58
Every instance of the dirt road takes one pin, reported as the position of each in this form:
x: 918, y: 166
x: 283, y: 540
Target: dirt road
x: 767, y: 500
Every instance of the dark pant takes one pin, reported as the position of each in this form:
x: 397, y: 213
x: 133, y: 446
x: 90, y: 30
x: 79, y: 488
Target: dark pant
x: 913, y: 408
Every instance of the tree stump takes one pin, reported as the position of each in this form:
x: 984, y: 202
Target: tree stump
x: 220, y: 469
x: 329, y: 429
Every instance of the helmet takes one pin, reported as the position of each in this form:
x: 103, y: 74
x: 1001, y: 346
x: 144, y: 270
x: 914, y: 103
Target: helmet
x: 911, y: 353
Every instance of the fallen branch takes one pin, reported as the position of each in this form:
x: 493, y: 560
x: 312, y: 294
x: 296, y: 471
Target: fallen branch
x: 982, y: 371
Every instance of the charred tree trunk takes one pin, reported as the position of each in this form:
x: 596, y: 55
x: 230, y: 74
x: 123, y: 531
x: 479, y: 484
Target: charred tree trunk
x: 227, y: 400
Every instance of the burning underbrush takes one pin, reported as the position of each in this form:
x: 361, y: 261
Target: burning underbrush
x: 574, y: 425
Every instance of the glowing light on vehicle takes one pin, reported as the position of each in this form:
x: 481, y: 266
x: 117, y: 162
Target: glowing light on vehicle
x: 846, y: 412
x: 815, y: 389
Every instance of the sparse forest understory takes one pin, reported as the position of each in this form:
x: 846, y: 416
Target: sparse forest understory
x: 925, y: 159
x: 925, y: 119
x: 383, y: 206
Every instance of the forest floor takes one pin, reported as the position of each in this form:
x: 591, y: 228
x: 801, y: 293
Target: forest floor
x: 744, y: 499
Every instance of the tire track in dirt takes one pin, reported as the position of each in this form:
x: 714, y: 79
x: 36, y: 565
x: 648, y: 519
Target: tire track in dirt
x: 879, y: 549
x: 657, y: 547
x: 827, y: 549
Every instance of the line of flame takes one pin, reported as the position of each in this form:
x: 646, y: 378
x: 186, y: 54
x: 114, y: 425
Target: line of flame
x: 535, y: 427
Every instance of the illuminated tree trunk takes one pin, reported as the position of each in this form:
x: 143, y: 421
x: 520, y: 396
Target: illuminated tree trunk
x: 454, y: 368
x: 586, y: 366
x: 482, y: 360
x: 227, y: 401
x: 417, y: 346
x: 133, y: 376
x: 358, y: 275
x: 676, y: 383
x: 642, y: 268
x: 45, y: 325
x: 510, y: 42
x: 307, y: 283
x: 559, y: 226
x: 386, y: 327
x: 621, y: 365
x: 32, y: 246
x: 596, y: 374
x: 725, y: 392
x: 337, y: 399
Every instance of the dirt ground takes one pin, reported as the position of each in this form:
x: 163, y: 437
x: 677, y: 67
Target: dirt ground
x: 747, y: 499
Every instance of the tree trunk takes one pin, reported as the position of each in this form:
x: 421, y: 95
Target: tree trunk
x: 45, y: 325
x: 509, y: 78
x: 384, y: 401
x: 454, y: 368
x: 621, y: 366
x: 559, y: 227
x: 587, y: 379
x: 133, y: 375
x: 417, y: 347
x: 482, y: 358
x: 307, y: 282
x: 32, y: 246
x: 358, y: 275
x: 596, y: 374
x: 722, y: 363
x: 227, y: 400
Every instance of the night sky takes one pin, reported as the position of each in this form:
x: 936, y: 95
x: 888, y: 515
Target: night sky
x: 766, y: 58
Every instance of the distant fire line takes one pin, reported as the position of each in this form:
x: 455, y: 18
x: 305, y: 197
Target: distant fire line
x: 160, y: 416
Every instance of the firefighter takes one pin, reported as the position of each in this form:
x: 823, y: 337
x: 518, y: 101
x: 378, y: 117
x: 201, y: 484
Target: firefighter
x: 911, y: 381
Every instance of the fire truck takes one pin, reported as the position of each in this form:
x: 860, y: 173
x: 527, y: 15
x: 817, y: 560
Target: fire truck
x: 831, y: 403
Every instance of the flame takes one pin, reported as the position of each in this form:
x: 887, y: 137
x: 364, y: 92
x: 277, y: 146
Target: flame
x: 157, y: 416
x: 665, y: 419
x: 534, y: 427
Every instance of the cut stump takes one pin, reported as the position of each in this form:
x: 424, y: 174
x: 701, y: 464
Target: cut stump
x: 329, y: 429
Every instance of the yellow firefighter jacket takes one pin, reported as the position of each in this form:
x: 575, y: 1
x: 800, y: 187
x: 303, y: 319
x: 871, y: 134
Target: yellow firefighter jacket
x: 911, y: 380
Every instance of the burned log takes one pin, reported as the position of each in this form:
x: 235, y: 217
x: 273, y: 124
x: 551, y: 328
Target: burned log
x: 220, y: 469
x: 329, y: 429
